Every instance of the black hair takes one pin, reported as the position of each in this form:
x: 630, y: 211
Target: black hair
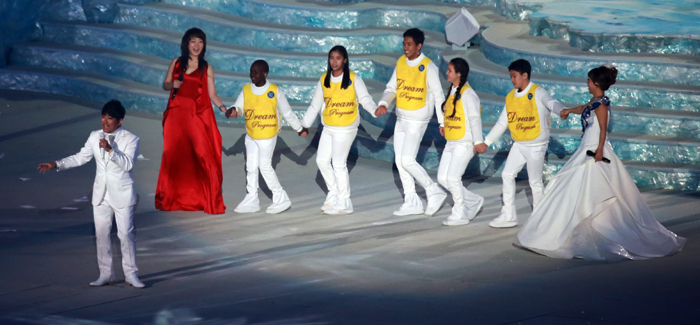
x: 263, y: 64
x: 114, y: 109
x: 346, y: 67
x: 462, y: 67
x: 185, y: 50
x: 416, y: 34
x: 521, y: 66
x: 603, y: 77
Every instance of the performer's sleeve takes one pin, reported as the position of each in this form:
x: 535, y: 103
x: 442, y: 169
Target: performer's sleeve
x: 124, y: 157
x: 286, y: 111
x: 363, y: 96
x: 317, y: 103
x: 471, y: 110
x: 389, y: 92
x: 240, y: 101
x: 550, y: 103
x: 435, y: 89
x: 498, y: 129
x: 81, y: 158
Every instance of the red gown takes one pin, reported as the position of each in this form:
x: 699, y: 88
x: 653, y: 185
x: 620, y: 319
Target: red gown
x: 190, y: 172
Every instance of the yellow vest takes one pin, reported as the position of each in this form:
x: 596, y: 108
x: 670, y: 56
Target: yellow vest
x: 455, y: 126
x: 261, y: 120
x: 523, y: 116
x: 341, y: 104
x: 411, y: 84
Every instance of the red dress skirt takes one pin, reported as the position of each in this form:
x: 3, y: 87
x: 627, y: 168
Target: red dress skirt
x: 190, y: 172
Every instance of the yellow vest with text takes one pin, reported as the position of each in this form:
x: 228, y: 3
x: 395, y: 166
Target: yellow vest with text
x: 261, y: 119
x: 341, y: 104
x: 455, y: 127
x: 411, y: 84
x: 523, y: 115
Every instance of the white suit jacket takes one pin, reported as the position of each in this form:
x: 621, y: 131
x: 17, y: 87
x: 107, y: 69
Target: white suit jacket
x: 113, y: 174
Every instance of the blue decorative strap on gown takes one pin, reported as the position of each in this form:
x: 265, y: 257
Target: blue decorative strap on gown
x: 586, y: 114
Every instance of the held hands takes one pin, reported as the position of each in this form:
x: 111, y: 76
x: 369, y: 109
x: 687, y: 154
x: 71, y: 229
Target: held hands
x: 442, y: 131
x: 480, y: 148
x: 104, y: 144
x: 231, y: 111
x: 381, y: 110
x: 564, y: 113
x: 304, y: 132
x: 46, y: 167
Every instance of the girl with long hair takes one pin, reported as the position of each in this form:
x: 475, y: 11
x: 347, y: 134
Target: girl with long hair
x: 336, y: 99
x: 462, y: 130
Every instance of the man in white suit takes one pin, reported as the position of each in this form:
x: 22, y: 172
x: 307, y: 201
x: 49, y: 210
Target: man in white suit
x: 114, y: 150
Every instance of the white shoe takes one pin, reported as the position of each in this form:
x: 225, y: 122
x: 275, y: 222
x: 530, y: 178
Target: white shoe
x: 436, y: 197
x: 280, y: 203
x: 457, y: 218
x: 342, y: 206
x: 407, y: 210
x: 330, y: 202
x: 250, y: 204
x: 473, y: 211
x: 102, y: 280
x: 134, y: 282
x: 501, y: 222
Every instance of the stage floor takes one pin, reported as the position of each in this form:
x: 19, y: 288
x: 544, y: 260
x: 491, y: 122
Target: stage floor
x: 299, y: 267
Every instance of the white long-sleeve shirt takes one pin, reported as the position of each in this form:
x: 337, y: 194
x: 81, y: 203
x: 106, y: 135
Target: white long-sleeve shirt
x: 471, y: 110
x: 318, y: 104
x: 434, y: 97
x: 283, y: 107
x: 546, y: 105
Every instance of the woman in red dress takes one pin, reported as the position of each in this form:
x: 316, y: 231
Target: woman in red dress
x: 190, y: 172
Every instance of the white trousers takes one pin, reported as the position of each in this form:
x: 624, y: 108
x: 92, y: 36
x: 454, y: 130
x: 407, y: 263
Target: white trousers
x: 104, y: 213
x: 519, y: 156
x: 453, y: 163
x: 407, y: 138
x: 259, y: 157
x: 332, y: 158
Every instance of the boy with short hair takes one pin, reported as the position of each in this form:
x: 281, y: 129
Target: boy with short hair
x: 527, y: 114
x: 262, y: 103
x: 416, y: 86
x: 113, y: 196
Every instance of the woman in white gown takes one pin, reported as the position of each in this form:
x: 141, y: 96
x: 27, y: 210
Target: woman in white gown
x: 592, y: 208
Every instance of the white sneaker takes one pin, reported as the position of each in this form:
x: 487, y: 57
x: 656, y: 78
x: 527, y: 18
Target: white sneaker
x: 407, y: 210
x: 102, y: 280
x: 330, y: 202
x: 436, y: 197
x: 502, y: 222
x: 473, y: 211
x: 342, y: 206
x: 280, y: 203
x: 250, y: 204
x: 457, y: 218
x: 134, y: 282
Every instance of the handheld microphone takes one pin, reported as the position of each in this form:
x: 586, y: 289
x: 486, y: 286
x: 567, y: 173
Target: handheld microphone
x: 592, y: 154
x: 102, y: 150
x: 182, y: 76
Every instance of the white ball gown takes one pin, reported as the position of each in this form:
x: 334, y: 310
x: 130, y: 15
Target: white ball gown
x: 593, y: 210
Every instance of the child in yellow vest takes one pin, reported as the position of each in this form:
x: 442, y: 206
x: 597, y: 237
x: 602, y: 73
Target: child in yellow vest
x: 415, y: 84
x: 262, y: 103
x: 462, y: 129
x: 336, y: 98
x: 527, y: 115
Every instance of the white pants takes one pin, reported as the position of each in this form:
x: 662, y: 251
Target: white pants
x: 518, y: 156
x: 334, y: 147
x: 259, y: 157
x: 104, y: 213
x: 407, y: 138
x: 453, y: 163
